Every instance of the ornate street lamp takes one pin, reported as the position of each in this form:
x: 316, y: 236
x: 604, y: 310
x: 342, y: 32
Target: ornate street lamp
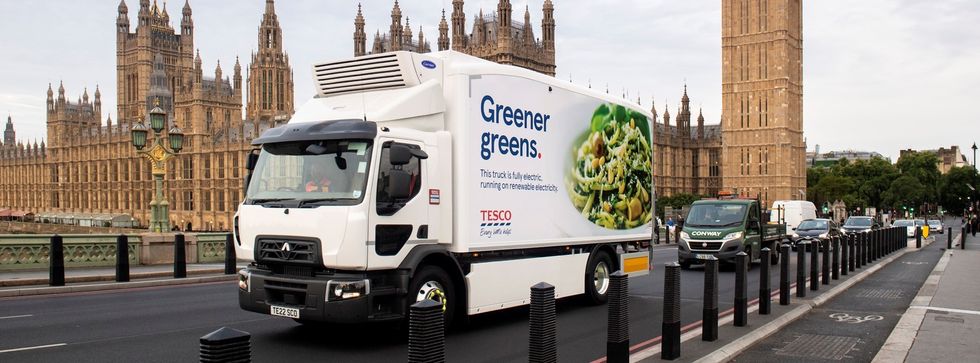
x: 974, y: 156
x: 158, y: 154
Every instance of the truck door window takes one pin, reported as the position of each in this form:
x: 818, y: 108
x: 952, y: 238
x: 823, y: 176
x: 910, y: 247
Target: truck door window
x: 386, y: 204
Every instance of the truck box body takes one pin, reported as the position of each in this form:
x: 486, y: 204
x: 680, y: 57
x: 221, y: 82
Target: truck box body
x: 507, y: 185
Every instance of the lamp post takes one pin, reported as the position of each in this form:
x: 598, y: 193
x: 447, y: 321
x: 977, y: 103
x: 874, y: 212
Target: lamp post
x: 158, y: 154
x: 974, y: 156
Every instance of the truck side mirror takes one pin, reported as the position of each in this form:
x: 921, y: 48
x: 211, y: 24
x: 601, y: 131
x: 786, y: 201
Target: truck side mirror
x: 253, y: 158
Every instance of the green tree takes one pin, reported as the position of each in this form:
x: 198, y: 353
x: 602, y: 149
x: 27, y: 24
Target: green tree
x: 924, y: 167
x: 905, y: 192
x: 955, y: 192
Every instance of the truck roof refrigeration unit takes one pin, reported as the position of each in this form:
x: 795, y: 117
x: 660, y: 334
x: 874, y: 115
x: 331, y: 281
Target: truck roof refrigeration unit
x: 446, y: 177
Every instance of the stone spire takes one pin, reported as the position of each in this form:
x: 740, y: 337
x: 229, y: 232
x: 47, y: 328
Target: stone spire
x: 270, y: 34
x: 186, y: 21
x: 238, y: 74
x: 360, y: 38
x: 548, y: 26
x: 61, y: 92
x: 407, y: 32
x: 528, y: 30
x: 459, y: 25
x: 700, y: 125
x: 9, y: 136
x: 443, y: 32
x: 395, y: 31
x: 50, y: 99
x: 122, y: 21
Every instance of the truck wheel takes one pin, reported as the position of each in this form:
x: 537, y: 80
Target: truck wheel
x: 774, y: 255
x: 597, y: 278
x: 433, y: 283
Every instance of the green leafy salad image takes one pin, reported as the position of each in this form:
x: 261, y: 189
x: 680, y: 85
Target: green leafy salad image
x: 610, y: 179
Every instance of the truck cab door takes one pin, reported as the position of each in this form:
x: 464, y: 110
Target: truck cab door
x: 399, y: 211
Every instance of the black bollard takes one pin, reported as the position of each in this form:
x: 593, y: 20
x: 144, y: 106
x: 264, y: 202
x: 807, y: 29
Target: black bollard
x: 963, y: 239
x: 784, y: 275
x: 918, y: 237
x: 671, y: 327
x: 814, y: 273
x: 542, y: 341
x: 835, y: 262
x: 231, y: 262
x: 741, y: 293
x: 122, y: 258
x: 765, y: 288
x: 825, y: 261
x: 226, y: 345
x: 56, y: 262
x: 677, y: 235
x: 709, y: 311
x: 844, y: 253
x: 426, y: 332
x: 852, y: 252
x: 874, y: 246
x: 180, y: 257
x: 618, y: 323
x: 801, y: 268
x: 949, y: 238
x: 859, y: 246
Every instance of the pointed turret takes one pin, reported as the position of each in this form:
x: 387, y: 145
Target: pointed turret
x: 503, y: 26
x: 122, y: 21
x: 9, y: 136
x: 653, y: 110
x: 50, y: 99
x: 443, y: 32
x: 360, y: 38
x: 548, y: 26
x: 144, y: 13
x: 528, y: 30
x: 459, y: 25
x: 217, y: 73
x: 85, y: 95
x: 98, y: 101
x: 395, y: 31
x: 700, y: 125
x: 186, y: 20
x: 238, y: 74
x: 164, y: 15
x: 377, y: 47
x: 407, y: 32
x: 61, y: 92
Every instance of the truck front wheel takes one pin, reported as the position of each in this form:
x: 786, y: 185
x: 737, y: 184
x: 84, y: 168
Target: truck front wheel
x: 597, y: 278
x: 431, y: 282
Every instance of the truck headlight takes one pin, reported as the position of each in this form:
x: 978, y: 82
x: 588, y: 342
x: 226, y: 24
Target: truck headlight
x: 244, y: 280
x: 685, y: 236
x: 733, y: 235
x: 824, y: 235
x: 343, y: 290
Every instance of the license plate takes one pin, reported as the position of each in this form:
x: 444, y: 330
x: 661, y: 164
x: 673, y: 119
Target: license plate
x: 284, y: 311
x: 702, y: 256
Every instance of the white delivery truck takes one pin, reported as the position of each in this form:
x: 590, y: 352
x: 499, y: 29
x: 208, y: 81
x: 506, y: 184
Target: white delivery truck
x: 442, y: 176
x: 792, y: 212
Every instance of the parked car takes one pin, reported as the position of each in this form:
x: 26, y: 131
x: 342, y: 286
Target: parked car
x: 857, y: 224
x: 814, y: 230
x: 908, y: 224
x: 936, y: 226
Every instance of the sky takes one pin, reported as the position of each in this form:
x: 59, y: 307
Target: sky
x: 879, y: 75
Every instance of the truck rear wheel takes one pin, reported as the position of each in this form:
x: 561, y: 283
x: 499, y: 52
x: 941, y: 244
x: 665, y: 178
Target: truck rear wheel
x: 597, y: 281
x: 431, y: 282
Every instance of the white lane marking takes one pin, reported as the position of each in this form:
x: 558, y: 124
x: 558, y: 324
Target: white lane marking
x: 958, y: 311
x: 32, y: 348
x: 16, y: 316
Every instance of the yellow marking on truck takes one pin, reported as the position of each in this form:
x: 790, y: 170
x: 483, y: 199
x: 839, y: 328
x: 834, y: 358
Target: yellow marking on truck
x: 634, y: 264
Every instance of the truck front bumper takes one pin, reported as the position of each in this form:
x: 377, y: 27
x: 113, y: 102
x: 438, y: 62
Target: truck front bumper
x: 726, y: 253
x: 380, y: 302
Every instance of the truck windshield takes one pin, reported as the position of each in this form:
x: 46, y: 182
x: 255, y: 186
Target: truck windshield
x: 310, y: 172
x: 716, y: 215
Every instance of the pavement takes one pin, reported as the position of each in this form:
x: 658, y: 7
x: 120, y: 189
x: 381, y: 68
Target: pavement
x: 942, y: 322
x: 35, y: 282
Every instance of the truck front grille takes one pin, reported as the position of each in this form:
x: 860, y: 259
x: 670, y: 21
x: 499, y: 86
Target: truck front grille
x: 282, y: 251
x: 705, y: 246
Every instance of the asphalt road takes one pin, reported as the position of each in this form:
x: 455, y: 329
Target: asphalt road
x: 164, y: 325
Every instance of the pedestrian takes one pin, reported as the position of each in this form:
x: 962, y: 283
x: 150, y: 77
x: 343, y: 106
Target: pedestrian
x: 670, y: 229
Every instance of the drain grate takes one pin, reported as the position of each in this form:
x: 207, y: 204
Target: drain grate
x: 830, y: 347
x: 881, y: 293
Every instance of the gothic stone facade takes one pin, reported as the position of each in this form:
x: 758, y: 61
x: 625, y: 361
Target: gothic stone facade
x: 494, y: 37
x: 687, y: 159
x: 88, y: 167
x: 763, y: 150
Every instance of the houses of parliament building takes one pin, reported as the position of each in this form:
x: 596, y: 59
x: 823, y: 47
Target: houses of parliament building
x: 90, y: 167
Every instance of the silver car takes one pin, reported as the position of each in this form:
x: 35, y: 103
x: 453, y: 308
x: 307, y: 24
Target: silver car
x: 936, y: 226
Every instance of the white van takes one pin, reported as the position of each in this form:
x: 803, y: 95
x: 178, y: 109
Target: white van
x: 792, y: 212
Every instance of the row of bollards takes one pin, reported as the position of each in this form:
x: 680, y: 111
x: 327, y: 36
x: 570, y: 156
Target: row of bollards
x: 426, y: 341
x: 56, y: 257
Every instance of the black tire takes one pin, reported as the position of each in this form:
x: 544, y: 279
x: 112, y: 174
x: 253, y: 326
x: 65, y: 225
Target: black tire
x: 774, y: 254
x: 433, y: 283
x: 597, y: 295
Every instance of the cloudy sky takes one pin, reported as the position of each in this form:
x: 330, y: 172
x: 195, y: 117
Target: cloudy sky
x: 879, y: 75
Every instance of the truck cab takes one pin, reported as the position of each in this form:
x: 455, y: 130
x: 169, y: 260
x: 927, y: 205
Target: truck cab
x: 723, y: 228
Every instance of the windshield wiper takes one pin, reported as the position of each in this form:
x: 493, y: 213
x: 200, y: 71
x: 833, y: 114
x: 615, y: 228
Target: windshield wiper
x: 269, y: 200
x: 314, y: 201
